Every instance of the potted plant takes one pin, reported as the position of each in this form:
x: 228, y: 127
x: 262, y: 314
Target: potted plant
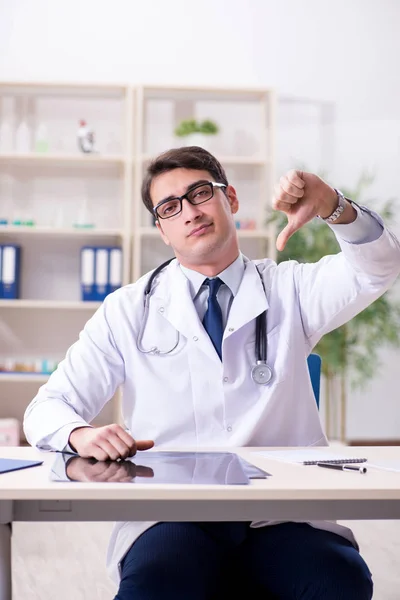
x: 349, y: 353
x: 196, y: 133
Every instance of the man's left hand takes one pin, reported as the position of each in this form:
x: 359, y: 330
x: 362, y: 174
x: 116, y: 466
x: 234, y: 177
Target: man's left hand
x: 302, y: 196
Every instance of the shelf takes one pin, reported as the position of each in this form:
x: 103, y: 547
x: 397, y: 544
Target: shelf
x: 242, y: 233
x: 129, y: 123
x: 201, y: 93
x: 49, y: 304
x: 64, y: 89
x: 253, y: 161
x: 23, y: 378
x: 62, y: 159
x: 59, y: 232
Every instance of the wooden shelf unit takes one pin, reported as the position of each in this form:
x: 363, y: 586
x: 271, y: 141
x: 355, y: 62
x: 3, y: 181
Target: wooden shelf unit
x: 129, y: 118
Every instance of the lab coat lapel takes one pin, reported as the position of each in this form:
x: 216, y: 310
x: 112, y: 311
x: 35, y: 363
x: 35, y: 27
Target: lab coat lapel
x: 173, y: 300
x: 250, y: 301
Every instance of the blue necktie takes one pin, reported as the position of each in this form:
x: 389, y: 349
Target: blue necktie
x: 213, y: 318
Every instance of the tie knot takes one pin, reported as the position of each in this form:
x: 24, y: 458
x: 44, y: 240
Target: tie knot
x: 214, y: 285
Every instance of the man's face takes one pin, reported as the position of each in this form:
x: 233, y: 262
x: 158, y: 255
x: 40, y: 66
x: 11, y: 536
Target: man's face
x: 203, y: 232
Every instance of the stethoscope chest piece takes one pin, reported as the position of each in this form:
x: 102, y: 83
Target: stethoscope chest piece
x: 261, y: 373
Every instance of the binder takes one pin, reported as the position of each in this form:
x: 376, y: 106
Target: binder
x: 1, y: 278
x: 14, y: 464
x: 87, y: 274
x: 10, y: 271
x: 101, y: 273
x: 115, y: 269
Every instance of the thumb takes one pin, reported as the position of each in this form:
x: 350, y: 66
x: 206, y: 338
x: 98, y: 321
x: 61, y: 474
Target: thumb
x: 285, y: 235
x: 144, y: 444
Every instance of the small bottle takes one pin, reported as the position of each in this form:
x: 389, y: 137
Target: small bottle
x: 6, y: 199
x: 23, y: 134
x: 84, y: 221
x: 38, y: 365
x: 58, y: 217
x: 7, y: 126
x: 51, y: 366
x: 41, y: 139
x: 10, y: 365
x: 85, y: 138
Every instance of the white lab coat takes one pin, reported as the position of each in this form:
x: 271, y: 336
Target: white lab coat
x: 189, y: 397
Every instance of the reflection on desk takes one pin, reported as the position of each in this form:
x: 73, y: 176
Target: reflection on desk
x: 211, y: 468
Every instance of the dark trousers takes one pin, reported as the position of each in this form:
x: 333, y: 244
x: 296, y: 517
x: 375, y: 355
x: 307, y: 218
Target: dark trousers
x: 207, y: 561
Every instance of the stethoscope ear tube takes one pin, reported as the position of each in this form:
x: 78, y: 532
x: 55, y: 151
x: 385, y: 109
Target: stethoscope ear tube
x: 261, y: 333
x: 154, y: 349
x: 261, y: 373
x: 154, y: 274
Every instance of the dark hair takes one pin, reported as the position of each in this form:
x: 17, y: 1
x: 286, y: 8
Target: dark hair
x: 187, y: 157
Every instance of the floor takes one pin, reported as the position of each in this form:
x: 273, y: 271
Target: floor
x: 76, y: 553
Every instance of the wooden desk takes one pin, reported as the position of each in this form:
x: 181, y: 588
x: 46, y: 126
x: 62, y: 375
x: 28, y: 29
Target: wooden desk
x: 293, y: 492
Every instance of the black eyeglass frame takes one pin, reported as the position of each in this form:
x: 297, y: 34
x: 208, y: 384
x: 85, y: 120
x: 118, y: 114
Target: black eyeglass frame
x: 212, y: 184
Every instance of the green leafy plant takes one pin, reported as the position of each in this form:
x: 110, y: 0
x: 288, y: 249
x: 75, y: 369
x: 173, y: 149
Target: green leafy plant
x: 189, y: 126
x: 208, y: 127
x: 350, y: 351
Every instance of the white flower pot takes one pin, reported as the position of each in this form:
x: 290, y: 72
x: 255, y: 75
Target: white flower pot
x: 197, y: 139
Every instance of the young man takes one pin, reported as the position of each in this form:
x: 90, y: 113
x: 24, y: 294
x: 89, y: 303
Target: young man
x: 196, y: 388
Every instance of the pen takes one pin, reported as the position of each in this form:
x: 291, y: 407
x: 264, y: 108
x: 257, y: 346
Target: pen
x: 342, y: 467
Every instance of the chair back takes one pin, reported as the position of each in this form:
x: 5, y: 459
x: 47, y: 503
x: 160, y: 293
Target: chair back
x: 314, y: 366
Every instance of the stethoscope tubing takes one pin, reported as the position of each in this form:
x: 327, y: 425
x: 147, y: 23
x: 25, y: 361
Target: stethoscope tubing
x: 261, y: 332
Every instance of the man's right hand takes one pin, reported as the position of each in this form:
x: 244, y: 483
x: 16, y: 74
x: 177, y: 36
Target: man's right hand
x: 105, y: 443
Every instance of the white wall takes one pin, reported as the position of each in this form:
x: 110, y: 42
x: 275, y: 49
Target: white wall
x: 343, y: 52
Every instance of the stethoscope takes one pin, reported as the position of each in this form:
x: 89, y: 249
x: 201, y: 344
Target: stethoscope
x: 261, y: 372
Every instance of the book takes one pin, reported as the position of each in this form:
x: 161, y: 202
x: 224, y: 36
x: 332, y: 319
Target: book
x: 11, y: 255
x: 13, y: 464
x: 87, y: 273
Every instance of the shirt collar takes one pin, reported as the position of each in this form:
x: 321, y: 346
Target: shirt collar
x: 231, y: 276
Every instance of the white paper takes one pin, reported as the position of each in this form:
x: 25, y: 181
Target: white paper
x: 303, y: 455
x: 385, y: 465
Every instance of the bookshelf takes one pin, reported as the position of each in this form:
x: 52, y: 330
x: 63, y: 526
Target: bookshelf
x: 55, y: 186
x: 244, y: 146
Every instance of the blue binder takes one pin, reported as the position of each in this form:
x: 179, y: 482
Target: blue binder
x: 10, y: 272
x: 1, y: 279
x: 114, y: 268
x: 88, y: 266
x: 13, y: 464
x: 102, y: 269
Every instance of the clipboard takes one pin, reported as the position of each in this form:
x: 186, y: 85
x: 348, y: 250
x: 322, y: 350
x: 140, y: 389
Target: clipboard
x: 12, y: 464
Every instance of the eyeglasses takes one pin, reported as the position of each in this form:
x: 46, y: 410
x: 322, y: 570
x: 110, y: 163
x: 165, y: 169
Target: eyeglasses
x: 197, y: 195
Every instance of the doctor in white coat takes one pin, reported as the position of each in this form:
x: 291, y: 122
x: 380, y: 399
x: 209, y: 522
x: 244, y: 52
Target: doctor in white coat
x: 196, y: 389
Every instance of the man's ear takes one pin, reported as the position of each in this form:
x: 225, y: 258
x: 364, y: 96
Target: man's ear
x: 164, y: 237
x: 231, y: 195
